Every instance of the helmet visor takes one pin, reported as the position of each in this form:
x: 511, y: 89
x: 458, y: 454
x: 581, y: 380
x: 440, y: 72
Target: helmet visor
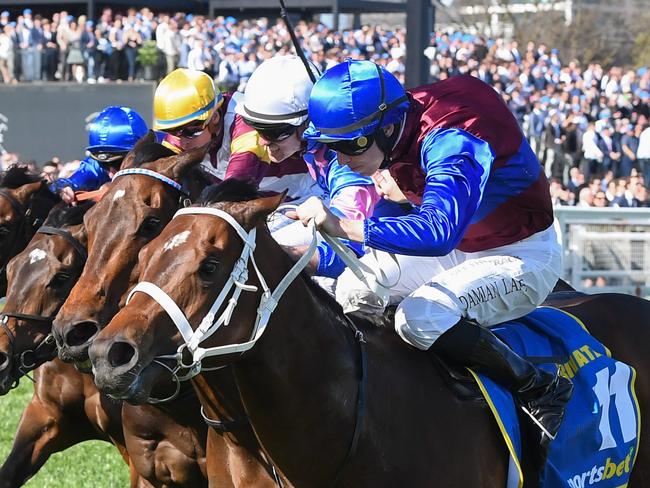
x: 272, y: 132
x: 108, y: 158
x: 352, y: 147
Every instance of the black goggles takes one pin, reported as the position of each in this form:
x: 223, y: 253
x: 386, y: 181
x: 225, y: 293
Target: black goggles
x: 353, y: 147
x: 189, y: 131
x: 273, y: 132
x: 108, y: 158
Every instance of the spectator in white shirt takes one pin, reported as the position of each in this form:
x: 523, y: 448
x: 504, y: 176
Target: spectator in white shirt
x: 643, y: 154
x: 591, y: 153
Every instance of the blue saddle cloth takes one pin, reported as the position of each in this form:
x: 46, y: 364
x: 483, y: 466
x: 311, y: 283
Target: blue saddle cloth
x: 598, y: 440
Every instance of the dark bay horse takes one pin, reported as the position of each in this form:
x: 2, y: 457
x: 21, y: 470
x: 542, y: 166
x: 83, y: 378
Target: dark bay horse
x: 25, y: 202
x: 300, y: 382
x: 66, y: 407
x: 133, y: 211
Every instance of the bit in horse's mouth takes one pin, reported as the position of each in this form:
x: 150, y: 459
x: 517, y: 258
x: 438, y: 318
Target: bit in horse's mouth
x: 84, y: 366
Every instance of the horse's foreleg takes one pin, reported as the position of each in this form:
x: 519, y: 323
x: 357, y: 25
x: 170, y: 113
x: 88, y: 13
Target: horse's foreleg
x: 43, y: 430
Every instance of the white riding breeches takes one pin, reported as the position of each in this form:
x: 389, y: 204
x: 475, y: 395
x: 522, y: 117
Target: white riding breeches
x: 433, y: 293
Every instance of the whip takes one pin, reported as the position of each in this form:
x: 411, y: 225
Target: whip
x: 285, y: 16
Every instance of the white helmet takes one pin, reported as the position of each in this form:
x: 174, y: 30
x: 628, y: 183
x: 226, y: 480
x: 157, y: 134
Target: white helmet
x: 278, y: 92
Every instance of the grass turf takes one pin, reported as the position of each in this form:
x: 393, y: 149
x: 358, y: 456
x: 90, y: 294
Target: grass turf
x: 89, y: 464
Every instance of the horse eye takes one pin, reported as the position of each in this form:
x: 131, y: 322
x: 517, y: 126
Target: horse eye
x: 149, y: 227
x: 4, y: 231
x: 59, y: 279
x: 208, y: 269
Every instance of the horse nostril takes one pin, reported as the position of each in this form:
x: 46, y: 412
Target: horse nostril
x: 4, y: 361
x: 80, y: 333
x: 120, y: 353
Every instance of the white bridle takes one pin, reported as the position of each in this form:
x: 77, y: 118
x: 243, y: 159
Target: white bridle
x: 237, y: 280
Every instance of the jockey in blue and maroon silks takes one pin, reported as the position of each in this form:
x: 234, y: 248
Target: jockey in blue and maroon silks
x: 480, y: 247
x: 275, y: 105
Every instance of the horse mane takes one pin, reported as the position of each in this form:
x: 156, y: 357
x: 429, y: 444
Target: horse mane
x: 63, y: 215
x: 17, y: 176
x: 149, y: 152
x: 230, y: 190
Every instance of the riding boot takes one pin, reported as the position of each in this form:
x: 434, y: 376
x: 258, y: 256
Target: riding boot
x: 542, y: 394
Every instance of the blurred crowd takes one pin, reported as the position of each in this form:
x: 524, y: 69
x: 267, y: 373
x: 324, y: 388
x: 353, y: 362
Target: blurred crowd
x: 588, y: 125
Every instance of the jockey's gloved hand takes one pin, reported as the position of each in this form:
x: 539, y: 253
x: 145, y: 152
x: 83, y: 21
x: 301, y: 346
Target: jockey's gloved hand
x: 68, y: 196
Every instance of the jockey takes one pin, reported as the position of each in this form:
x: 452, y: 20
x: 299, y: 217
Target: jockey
x: 192, y: 112
x: 112, y: 135
x: 480, y: 249
x: 280, y: 118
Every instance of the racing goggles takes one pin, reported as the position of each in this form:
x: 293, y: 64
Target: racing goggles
x: 189, y: 131
x: 352, y: 147
x: 273, y: 132
x: 108, y: 158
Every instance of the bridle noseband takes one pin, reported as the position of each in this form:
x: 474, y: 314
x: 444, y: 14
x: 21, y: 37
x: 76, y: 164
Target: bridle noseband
x: 236, y: 283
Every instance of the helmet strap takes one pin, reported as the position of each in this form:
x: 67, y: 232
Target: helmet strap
x: 384, y: 142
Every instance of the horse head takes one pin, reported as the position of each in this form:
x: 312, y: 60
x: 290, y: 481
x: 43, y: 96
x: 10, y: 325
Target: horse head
x: 140, y: 201
x: 192, y: 260
x: 40, y: 279
x: 25, y: 202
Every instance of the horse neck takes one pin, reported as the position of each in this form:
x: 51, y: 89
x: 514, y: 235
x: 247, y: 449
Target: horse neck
x: 306, y: 359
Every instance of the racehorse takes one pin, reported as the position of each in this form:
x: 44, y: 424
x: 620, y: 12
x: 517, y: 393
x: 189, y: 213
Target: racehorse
x: 66, y: 407
x: 304, y: 383
x: 25, y: 202
x: 138, y: 206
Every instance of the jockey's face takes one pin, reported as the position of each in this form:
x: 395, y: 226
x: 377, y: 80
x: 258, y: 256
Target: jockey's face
x: 279, y: 150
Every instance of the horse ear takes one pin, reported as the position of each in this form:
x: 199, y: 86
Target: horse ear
x: 175, y: 167
x: 23, y: 192
x: 129, y: 159
x: 256, y: 211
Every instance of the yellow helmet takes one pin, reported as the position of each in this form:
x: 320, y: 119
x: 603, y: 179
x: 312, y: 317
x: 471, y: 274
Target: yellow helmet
x: 183, y: 96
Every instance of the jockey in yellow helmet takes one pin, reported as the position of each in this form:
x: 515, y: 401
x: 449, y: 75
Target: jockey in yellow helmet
x: 192, y: 112
x: 186, y: 106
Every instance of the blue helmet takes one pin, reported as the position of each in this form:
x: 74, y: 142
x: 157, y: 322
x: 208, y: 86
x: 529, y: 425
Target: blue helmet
x: 354, y: 99
x: 116, y: 129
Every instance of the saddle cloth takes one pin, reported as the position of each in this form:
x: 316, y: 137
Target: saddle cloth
x: 597, y: 443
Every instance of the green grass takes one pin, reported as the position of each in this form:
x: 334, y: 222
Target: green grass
x: 93, y: 464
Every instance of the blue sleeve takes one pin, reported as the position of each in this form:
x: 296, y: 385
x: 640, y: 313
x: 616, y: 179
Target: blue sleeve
x: 338, y: 177
x: 457, y: 166
x: 89, y: 176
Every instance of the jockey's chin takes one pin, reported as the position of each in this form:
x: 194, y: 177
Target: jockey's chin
x: 278, y: 151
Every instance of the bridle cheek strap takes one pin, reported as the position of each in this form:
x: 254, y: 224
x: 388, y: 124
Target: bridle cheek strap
x: 237, y: 280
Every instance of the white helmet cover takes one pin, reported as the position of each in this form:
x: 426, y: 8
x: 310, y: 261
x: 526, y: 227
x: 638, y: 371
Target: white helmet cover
x: 278, y: 92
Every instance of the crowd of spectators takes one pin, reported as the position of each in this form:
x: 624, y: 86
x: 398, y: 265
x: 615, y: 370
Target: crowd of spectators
x: 588, y: 125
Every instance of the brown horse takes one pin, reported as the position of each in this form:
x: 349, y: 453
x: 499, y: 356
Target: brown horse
x: 66, y: 407
x: 163, y: 451
x: 138, y: 206
x: 300, y: 382
x: 25, y: 202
